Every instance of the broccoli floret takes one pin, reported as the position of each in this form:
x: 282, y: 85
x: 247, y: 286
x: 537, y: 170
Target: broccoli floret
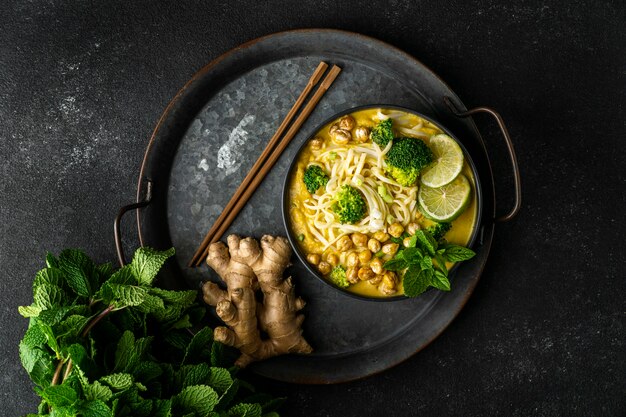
x: 406, y: 158
x: 438, y: 230
x: 338, y: 277
x: 381, y: 133
x: 314, y: 178
x: 349, y: 205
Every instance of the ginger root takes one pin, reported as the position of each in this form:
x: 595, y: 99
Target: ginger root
x: 245, y: 266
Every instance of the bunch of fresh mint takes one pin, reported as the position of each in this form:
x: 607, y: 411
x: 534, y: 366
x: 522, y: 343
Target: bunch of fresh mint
x: 424, y: 263
x: 104, y: 342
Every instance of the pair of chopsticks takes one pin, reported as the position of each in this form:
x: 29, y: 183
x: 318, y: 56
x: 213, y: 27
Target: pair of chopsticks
x: 268, y: 158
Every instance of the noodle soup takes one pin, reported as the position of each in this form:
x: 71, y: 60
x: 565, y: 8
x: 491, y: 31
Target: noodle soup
x: 344, y: 151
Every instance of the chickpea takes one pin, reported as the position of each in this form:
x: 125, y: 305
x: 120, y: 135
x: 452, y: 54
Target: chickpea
x: 406, y: 242
x: 333, y: 128
x: 353, y: 260
x: 395, y: 229
x: 313, y: 258
x: 316, y: 143
x: 373, y: 245
x: 364, y: 256
x: 366, y: 273
x: 324, y: 268
x: 344, y: 243
x: 376, y: 280
x: 381, y: 236
x: 359, y: 239
x: 341, y: 136
x: 377, y: 265
x: 419, y: 215
x: 390, y: 248
x: 347, y: 122
x: 352, y: 275
x: 361, y: 134
x: 332, y: 259
x: 388, y: 284
x: 412, y: 228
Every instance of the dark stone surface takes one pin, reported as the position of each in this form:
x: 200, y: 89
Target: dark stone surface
x: 82, y: 85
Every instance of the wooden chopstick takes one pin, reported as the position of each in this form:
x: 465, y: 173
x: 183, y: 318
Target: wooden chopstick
x: 249, y: 191
x: 315, y: 78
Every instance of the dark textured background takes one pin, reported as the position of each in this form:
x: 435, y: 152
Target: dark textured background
x: 82, y: 85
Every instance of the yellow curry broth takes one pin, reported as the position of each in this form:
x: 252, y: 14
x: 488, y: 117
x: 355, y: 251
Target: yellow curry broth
x: 459, y: 234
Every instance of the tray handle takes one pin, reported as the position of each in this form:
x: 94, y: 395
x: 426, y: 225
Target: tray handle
x: 507, y: 138
x: 118, y: 219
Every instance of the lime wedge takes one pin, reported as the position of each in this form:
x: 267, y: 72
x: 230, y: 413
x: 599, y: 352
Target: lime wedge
x: 448, y: 161
x: 445, y: 203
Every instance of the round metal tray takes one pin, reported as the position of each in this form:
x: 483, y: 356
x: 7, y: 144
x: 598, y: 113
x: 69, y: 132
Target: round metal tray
x: 212, y: 132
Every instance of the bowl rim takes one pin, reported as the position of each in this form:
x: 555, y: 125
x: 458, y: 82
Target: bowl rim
x: 285, y: 191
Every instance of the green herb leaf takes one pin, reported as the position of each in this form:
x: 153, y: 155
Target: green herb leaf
x: 119, y: 381
x: 456, y: 253
x: 415, y: 281
x: 123, y: 276
x: 199, y: 399
x: 440, y: 281
x: 77, y: 268
x: 220, y: 379
x: 122, y: 295
x: 395, y: 265
x: 426, y: 263
x: 412, y: 255
x: 245, y: 410
x: 50, y: 275
x: 95, y: 408
x: 97, y: 391
x: 189, y: 375
x: 441, y: 264
x: 51, y: 261
x: 47, y: 296
x: 426, y: 242
x: 59, y: 395
x: 182, y: 298
x: 29, y: 311
x: 147, y: 262
x: 199, y: 343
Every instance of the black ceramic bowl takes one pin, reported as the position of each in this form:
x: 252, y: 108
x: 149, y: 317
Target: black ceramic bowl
x: 285, y: 197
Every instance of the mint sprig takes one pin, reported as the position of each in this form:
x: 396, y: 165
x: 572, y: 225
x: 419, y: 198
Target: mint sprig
x: 106, y: 343
x: 424, y: 263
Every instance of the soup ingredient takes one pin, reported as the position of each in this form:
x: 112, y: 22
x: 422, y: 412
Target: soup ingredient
x: 316, y: 143
x: 347, y: 122
x: 349, y: 205
x: 324, y: 267
x: 105, y: 342
x: 424, y: 263
x: 406, y: 158
x: 382, y: 133
x: 361, y: 134
x: 314, y: 178
x: 388, y: 283
x: 384, y: 193
x: 359, y: 239
x: 338, y: 277
x: 244, y: 266
x: 444, y: 204
x: 448, y: 161
x: 395, y: 229
x: 439, y: 230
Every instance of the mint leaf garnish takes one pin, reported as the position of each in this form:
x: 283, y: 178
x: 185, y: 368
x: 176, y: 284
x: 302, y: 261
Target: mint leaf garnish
x: 199, y: 399
x: 91, y: 344
x: 455, y: 253
x: 147, y: 262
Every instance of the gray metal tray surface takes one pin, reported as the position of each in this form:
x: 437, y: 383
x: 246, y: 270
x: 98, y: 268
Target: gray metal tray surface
x: 211, y: 134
